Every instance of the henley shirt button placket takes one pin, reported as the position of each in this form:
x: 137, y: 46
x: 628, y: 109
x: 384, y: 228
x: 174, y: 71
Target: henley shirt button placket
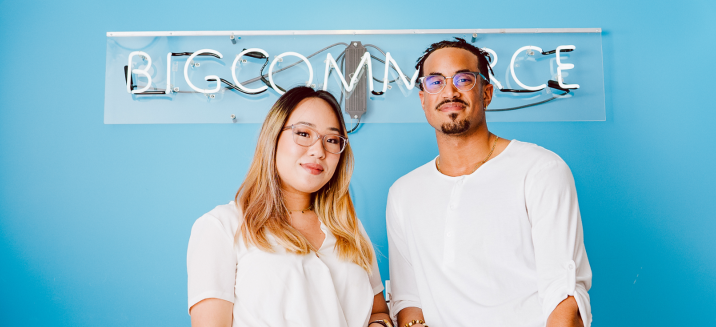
x: 456, y: 193
x: 449, y: 249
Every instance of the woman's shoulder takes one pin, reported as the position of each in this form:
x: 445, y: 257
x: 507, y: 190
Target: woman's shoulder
x: 226, y: 217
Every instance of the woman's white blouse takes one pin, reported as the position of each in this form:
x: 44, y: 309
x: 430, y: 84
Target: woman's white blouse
x: 279, y: 289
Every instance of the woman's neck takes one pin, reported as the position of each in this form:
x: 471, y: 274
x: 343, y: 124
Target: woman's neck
x: 295, y: 199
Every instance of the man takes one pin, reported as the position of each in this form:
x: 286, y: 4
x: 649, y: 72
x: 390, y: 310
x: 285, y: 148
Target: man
x: 489, y: 233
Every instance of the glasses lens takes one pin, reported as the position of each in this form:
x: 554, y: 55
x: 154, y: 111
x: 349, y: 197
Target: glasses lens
x: 464, y: 81
x: 334, y: 143
x: 303, y: 135
x: 434, y: 83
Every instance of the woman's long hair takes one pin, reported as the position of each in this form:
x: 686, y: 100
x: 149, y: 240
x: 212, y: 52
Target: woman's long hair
x: 260, y: 196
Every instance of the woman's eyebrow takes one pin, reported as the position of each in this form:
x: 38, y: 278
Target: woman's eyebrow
x: 313, y: 125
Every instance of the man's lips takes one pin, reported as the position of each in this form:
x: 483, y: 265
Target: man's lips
x: 312, y: 168
x: 452, y: 106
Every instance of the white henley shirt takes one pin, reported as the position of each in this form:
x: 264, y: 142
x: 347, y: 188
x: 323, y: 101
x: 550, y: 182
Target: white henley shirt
x: 502, y: 246
x: 279, y: 289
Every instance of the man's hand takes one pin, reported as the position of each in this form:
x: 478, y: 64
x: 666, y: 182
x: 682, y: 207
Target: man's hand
x: 566, y: 314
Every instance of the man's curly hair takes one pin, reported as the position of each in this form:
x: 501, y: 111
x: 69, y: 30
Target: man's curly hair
x: 483, y: 58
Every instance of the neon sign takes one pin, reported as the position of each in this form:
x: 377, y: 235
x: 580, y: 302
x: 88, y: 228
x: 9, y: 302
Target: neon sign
x: 212, y: 77
x: 332, y: 64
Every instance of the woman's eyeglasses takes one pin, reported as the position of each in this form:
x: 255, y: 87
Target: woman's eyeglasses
x: 307, y: 136
x: 464, y: 81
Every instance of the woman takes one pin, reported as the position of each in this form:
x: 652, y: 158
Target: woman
x: 289, y: 251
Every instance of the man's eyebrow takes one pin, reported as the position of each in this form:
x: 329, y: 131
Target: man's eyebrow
x: 459, y: 71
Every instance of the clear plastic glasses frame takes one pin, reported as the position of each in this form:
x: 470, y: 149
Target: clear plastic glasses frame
x: 304, y: 135
x: 464, y: 81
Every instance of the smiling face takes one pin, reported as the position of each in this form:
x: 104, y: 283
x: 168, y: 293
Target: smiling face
x: 454, y: 112
x: 307, y: 169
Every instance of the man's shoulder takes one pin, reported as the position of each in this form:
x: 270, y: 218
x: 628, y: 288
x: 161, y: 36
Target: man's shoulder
x: 533, y: 154
x: 414, y: 178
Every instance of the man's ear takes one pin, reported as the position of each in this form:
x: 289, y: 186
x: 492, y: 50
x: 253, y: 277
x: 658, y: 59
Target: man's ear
x: 487, y: 92
x: 422, y: 99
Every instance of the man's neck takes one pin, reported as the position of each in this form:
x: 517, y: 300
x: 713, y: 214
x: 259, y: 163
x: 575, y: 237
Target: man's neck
x: 461, y: 154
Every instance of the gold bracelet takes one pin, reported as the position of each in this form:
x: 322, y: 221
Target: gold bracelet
x: 416, y: 322
x: 382, y: 322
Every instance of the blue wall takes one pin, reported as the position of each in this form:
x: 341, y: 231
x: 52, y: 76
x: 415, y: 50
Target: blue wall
x: 95, y: 219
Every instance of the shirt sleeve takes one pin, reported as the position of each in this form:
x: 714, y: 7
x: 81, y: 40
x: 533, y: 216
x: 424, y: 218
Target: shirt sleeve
x: 210, y: 261
x: 562, y: 265
x: 403, y: 287
x: 375, y: 281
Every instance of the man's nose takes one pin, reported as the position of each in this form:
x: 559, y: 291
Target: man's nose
x: 450, y: 91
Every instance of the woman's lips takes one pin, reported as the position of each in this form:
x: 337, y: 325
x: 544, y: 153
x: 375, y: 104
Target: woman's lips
x: 313, y: 169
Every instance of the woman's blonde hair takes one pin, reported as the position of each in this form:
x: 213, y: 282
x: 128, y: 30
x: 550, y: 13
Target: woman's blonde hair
x: 260, y: 196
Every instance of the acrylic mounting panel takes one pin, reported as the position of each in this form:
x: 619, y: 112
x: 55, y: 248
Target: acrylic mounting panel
x: 183, y: 103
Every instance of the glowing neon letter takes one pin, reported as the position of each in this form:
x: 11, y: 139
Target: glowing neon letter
x: 233, y: 71
x: 388, y: 61
x: 169, y: 73
x: 493, y: 54
x: 144, y: 71
x: 210, y: 77
x: 561, y: 67
x: 273, y: 63
x: 512, y: 68
x: 354, y: 80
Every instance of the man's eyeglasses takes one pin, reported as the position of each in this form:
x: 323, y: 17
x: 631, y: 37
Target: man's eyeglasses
x: 464, y: 81
x: 307, y: 136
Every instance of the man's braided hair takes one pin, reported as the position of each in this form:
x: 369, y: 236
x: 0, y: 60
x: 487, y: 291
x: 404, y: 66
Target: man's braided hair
x: 483, y: 57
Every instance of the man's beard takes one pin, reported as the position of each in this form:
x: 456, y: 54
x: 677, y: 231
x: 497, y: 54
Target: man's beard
x: 455, y: 127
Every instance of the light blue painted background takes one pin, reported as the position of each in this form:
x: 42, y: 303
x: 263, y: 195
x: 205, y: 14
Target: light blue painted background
x: 94, y: 218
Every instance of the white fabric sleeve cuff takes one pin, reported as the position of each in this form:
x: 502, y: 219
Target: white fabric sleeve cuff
x: 397, y: 305
x: 378, y: 289
x: 569, y: 287
x: 211, y: 262
x: 226, y: 296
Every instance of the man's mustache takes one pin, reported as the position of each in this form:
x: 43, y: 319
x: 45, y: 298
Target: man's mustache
x: 448, y: 101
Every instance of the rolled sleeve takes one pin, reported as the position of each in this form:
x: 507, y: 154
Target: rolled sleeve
x: 211, y: 262
x: 376, y: 283
x: 561, y: 259
x: 403, y: 287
